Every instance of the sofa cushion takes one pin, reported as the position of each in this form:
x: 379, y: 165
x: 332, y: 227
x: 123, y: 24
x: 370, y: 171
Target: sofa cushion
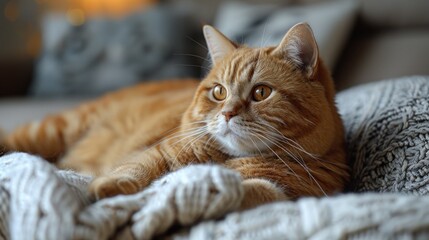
x: 388, y: 54
x: 395, y: 13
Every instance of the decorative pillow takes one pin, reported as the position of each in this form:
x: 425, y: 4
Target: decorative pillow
x: 387, y: 129
x: 105, y: 54
x: 265, y: 25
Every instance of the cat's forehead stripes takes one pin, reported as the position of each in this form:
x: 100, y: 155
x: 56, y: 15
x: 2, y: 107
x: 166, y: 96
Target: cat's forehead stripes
x: 241, y: 66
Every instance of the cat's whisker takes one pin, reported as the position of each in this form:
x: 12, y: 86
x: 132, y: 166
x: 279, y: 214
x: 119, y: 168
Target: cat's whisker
x: 249, y: 131
x: 262, y: 132
x: 282, y: 148
x: 281, y: 159
x: 193, y: 65
x: 284, y: 140
x: 276, y: 119
x: 196, y: 140
x: 193, y: 55
x: 307, y: 120
x: 299, y: 159
x: 211, y: 138
x: 190, y: 143
x: 199, y: 44
x: 303, y: 165
x: 263, y: 35
x: 185, y: 134
x: 176, y: 134
x: 265, y: 132
x: 192, y: 133
x: 276, y: 141
x: 290, y: 142
x: 265, y: 42
x: 281, y: 141
x: 189, y: 135
x: 256, y: 146
x: 186, y: 124
x: 297, y: 146
x: 184, y: 146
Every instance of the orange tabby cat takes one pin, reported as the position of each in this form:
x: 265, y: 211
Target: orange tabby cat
x: 267, y: 113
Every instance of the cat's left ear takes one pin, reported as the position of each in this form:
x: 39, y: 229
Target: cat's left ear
x: 219, y: 45
x: 299, y: 46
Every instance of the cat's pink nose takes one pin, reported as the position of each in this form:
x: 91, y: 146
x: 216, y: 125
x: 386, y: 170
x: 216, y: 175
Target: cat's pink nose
x: 229, y: 114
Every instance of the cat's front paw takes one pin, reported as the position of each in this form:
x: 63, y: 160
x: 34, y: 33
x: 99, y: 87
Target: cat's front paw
x: 109, y: 186
x: 259, y: 191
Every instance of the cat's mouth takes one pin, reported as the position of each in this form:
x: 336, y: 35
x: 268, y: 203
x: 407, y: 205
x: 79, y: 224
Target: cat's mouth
x: 233, y: 136
x: 238, y: 145
x: 227, y: 131
x: 236, y: 139
x: 231, y: 131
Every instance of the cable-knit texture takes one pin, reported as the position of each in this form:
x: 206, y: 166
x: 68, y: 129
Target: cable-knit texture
x: 387, y: 133
x: 387, y: 127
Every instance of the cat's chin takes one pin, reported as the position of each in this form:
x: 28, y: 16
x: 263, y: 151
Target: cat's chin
x: 236, y: 141
x: 238, y: 146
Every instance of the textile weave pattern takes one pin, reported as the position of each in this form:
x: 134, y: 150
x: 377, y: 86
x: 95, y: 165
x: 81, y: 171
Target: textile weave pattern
x: 387, y: 130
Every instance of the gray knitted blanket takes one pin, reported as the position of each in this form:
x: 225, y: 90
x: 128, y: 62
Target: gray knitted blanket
x: 388, y: 135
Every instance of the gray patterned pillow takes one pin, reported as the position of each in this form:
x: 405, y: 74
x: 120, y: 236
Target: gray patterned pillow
x: 387, y: 126
x: 105, y: 54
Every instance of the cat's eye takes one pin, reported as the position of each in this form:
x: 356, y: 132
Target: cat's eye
x: 261, y: 92
x: 219, y: 92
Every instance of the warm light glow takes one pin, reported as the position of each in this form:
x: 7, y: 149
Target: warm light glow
x: 78, y: 11
x: 115, y: 8
x: 33, y: 44
x: 11, y: 11
x: 76, y: 17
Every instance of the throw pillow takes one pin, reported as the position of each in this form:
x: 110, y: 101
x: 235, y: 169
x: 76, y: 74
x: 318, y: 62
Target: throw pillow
x: 106, y: 54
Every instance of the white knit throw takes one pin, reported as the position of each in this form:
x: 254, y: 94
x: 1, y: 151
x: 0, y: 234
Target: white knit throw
x: 37, y: 201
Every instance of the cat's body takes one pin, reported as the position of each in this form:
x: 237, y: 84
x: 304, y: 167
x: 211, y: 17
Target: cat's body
x: 268, y: 113
x: 94, y: 136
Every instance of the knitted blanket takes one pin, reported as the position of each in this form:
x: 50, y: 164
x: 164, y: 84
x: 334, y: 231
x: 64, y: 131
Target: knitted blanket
x: 388, y: 137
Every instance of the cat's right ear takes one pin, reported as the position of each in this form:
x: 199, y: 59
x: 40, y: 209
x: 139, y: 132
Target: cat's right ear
x: 218, y: 44
x: 300, y: 47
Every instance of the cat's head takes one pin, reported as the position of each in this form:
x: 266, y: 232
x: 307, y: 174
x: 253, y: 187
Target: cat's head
x: 256, y: 100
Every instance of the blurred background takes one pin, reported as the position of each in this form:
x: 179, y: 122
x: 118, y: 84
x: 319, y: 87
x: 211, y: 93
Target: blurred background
x: 72, y: 50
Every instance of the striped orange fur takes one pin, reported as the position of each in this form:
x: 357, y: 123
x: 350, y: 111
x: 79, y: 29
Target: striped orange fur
x: 268, y: 113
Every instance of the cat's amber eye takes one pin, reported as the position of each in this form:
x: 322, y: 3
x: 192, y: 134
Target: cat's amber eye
x: 261, y: 92
x: 219, y: 92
